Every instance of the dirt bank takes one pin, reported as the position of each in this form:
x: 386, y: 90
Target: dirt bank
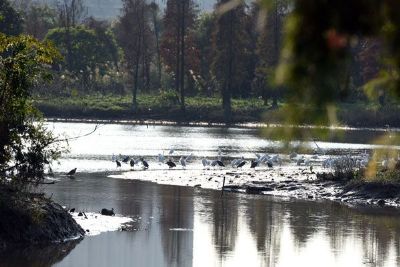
x: 32, y: 219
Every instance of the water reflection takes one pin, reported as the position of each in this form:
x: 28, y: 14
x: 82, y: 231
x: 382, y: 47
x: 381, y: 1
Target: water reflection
x: 176, y: 221
x: 181, y: 226
x: 42, y: 256
x: 299, y: 233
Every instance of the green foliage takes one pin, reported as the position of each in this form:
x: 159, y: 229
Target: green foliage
x: 25, y: 145
x: 203, y: 31
x: 89, y: 49
x: 39, y: 18
x: 168, y: 98
x: 10, y: 20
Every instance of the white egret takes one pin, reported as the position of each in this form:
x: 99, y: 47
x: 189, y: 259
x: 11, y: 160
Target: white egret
x: 182, y: 161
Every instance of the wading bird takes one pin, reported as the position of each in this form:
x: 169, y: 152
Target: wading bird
x: 189, y: 158
x: 253, y: 164
x: 71, y: 172
x: 161, y: 158
x: 205, y: 162
x: 170, y: 164
x: 182, y: 161
x: 241, y: 164
x: 125, y: 159
x: 145, y: 164
x: 220, y: 163
x: 269, y: 164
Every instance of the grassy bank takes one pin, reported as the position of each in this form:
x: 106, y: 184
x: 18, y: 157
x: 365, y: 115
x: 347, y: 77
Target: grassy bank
x: 161, y: 107
x: 149, y: 107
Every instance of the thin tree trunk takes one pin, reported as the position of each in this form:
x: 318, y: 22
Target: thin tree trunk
x: 137, y: 63
x: 178, y: 33
x: 228, y: 83
x: 68, y: 45
x: 156, y: 33
x: 182, y: 71
x: 276, y: 53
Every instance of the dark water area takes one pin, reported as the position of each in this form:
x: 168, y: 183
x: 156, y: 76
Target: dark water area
x: 184, y: 226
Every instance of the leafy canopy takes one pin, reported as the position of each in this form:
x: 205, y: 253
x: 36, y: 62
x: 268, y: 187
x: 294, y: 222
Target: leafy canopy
x: 10, y: 20
x: 89, y: 49
x: 25, y: 145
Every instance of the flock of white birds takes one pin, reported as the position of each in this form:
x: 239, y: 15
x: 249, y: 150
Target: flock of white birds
x: 320, y: 158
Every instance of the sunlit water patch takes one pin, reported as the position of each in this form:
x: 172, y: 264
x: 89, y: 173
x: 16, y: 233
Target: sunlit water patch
x: 97, y: 152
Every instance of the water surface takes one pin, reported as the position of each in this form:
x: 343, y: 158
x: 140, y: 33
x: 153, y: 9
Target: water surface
x: 184, y: 226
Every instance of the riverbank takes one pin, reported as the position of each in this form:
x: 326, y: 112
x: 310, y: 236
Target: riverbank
x: 32, y: 219
x: 288, y: 181
x: 201, y: 109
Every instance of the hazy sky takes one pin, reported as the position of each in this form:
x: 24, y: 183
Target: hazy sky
x: 111, y: 8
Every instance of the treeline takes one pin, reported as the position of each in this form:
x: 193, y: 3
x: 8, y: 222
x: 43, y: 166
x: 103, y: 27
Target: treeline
x: 176, y: 51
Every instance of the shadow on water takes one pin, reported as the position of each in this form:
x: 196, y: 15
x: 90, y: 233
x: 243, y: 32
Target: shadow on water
x: 182, y: 226
x: 37, y: 256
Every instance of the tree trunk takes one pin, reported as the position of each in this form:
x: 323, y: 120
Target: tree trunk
x: 137, y: 64
x: 157, y: 35
x: 274, y: 101
x: 178, y: 34
x: 182, y: 71
x: 226, y: 98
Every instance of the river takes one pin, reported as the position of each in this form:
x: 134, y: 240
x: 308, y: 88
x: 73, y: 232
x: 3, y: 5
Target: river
x: 186, y: 226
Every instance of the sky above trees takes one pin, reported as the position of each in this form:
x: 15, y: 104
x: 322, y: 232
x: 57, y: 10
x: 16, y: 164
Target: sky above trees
x: 108, y: 9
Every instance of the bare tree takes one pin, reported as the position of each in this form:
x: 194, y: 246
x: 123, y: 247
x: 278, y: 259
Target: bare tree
x: 134, y: 36
x: 179, y: 20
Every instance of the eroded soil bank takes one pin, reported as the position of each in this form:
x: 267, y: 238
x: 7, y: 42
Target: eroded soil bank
x: 32, y: 219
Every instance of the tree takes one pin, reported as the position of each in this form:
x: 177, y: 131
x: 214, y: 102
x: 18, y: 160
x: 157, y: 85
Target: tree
x: 177, y: 45
x: 106, y: 40
x: 70, y: 13
x: 156, y: 28
x: 135, y: 37
x: 231, y: 51
x: 89, y: 50
x: 269, y: 42
x: 203, y: 31
x: 26, y: 147
x: 10, y: 20
x: 39, y: 19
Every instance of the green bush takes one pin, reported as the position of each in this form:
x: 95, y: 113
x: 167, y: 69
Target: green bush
x: 168, y: 98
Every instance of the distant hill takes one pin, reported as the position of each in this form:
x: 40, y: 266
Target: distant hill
x: 109, y: 9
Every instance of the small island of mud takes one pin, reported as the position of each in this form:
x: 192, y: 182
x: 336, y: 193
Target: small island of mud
x: 32, y: 219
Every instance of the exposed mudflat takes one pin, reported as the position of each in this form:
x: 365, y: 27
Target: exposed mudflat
x: 287, y: 180
x: 95, y: 223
